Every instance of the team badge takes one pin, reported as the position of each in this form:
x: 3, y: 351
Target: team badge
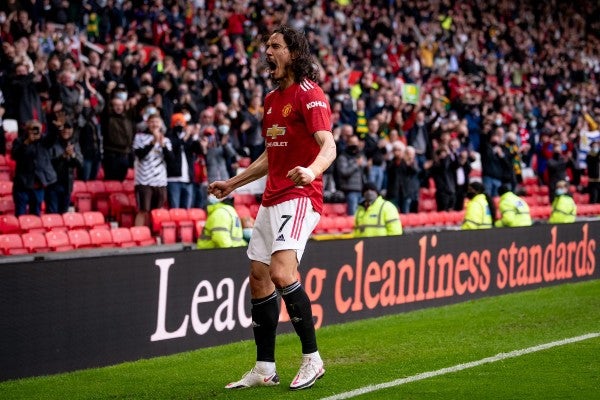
x: 287, y: 109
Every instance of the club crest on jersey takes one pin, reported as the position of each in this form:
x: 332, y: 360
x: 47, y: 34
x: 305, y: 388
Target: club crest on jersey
x: 275, y: 131
x: 286, y: 110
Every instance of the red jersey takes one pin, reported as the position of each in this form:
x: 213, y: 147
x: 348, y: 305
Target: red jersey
x: 291, y: 118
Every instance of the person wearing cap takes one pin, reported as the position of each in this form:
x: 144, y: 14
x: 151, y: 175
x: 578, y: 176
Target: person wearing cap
x: 223, y: 226
x: 376, y: 216
x: 564, y: 209
x: 33, y: 172
x: 180, y: 168
x: 514, y: 210
x: 66, y: 157
x: 480, y: 210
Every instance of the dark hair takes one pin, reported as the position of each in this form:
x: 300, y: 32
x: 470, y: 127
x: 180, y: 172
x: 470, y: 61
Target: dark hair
x: 479, y: 189
x: 303, y: 65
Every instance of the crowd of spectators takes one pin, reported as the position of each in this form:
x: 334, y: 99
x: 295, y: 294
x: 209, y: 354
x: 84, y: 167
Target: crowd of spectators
x: 513, y: 84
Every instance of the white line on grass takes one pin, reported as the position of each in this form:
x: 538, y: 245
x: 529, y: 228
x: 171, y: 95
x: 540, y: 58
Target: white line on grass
x: 459, y: 367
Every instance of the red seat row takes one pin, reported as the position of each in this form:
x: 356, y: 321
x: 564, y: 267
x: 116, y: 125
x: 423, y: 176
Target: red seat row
x: 177, y: 224
x: 58, y: 240
x: 52, y: 222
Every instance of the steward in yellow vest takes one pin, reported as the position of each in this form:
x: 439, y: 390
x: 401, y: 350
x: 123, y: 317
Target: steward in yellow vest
x: 376, y: 216
x: 223, y: 227
x: 564, y: 209
x: 479, y: 210
x: 514, y: 211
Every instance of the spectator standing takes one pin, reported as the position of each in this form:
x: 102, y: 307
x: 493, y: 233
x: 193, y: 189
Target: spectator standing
x: 375, y: 152
x: 593, y: 169
x: 376, y: 216
x: 90, y: 140
x: 443, y: 169
x: 151, y: 150
x: 33, y: 172
x: 557, y: 166
x: 180, y: 168
x: 66, y: 158
x: 496, y: 165
x: 349, y: 167
x: 117, y: 133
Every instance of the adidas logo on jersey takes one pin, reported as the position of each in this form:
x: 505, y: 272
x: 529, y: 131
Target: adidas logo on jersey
x: 280, y: 238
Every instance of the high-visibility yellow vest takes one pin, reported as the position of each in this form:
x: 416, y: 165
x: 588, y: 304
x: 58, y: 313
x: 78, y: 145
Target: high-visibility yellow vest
x: 564, y: 210
x: 477, y: 214
x: 223, y: 228
x: 514, y: 211
x: 380, y: 219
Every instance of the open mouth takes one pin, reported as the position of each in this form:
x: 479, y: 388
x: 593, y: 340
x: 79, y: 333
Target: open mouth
x: 272, y: 66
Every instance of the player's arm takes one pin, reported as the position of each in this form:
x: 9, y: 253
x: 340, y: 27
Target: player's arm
x: 256, y: 170
x: 304, y: 176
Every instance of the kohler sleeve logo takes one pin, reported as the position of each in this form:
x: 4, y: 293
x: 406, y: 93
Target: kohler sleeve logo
x: 224, y: 295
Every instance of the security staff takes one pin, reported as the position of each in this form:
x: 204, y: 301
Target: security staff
x: 514, y: 210
x: 480, y: 209
x: 376, y: 216
x: 564, y: 209
x: 223, y: 226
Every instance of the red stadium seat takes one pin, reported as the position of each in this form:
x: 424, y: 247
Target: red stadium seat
x: 185, y: 226
x: 128, y: 186
x: 246, y: 199
x: 81, y: 197
x: 122, y: 237
x: 101, y: 237
x: 158, y: 216
x: 6, y: 187
x: 52, y: 222
x: 74, y: 220
x: 35, y: 242
x: 122, y: 209
x: 333, y: 209
x: 9, y: 224
x: 243, y: 211
x: 7, y: 206
x: 31, y: 223
x: 80, y: 238
x: 11, y: 243
x: 142, y: 236
x: 95, y: 219
x: 99, y: 196
x: 197, y: 214
x: 58, y: 241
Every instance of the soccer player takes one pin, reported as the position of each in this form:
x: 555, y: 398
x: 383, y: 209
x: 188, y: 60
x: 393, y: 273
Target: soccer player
x: 299, y: 148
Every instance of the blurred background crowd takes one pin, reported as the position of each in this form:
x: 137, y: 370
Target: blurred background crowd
x: 421, y: 91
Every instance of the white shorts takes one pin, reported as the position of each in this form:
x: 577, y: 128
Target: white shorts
x: 284, y: 226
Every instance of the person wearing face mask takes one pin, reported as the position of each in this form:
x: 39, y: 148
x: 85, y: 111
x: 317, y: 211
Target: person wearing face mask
x: 349, y: 166
x: 480, y: 210
x: 564, y: 209
x: 593, y: 169
x: 223, y: 226
x: 376, y: 216
x: 496, y: 165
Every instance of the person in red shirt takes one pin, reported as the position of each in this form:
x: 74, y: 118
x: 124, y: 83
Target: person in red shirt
x: 299, y: 148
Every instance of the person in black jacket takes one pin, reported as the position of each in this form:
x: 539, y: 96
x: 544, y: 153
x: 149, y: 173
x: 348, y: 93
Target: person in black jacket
x: 33, y: 172
x: 496, y: 163
x: 443, y: 173
x: 349, y: 166
x: 66, y: 157
x: 180, y: 168
x: 593, y: 168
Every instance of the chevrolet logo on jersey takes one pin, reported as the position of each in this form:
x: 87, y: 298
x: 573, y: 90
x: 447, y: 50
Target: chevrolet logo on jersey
x: 275, y: 131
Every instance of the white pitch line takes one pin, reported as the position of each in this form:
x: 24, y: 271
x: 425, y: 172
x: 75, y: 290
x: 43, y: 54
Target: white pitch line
x: 460, y: 367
